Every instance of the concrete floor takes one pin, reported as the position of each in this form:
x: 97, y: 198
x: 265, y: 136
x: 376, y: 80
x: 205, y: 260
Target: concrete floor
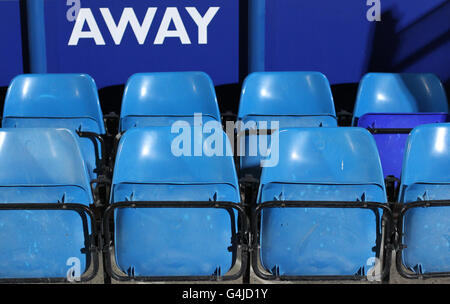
x: 396, y: 278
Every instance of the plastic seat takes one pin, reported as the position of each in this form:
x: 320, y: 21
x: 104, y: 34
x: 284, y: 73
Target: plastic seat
x: 400, y: 93
x: 393, y: 104
x: 58, y: 101
x: 321, y: 164
x: 172, y: 242
x: 160, y: 99
x: 42, y: 166
x: 293, y: 99
x: 426, y: 177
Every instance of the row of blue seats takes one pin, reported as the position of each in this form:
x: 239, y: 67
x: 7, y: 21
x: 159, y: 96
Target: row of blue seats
x: 389, y: 105
x: 134, y: 181
x: 157, y: 236
x: 46, y: 166
x: 71, y: 101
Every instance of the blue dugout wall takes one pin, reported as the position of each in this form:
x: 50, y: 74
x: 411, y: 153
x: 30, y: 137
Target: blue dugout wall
x: 11, y: 41
x: 338, y: 39
x: 333, y: 37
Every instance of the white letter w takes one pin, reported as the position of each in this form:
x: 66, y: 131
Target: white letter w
x: 128, y: 16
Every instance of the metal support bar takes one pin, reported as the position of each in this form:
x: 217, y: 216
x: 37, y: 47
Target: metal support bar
x: 103, y: 181
x: 102, y: 167
x: 390, y: 130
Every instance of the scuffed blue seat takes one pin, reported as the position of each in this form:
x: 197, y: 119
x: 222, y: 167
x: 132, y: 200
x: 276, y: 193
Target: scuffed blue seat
x: 169, y: 242
x: 160, y: 99
x: 426, y: 177
x: 317, y: 165
x: 390, y: 105
x: 58, y: 101
x: 42, y: 166
x: 293, y: 99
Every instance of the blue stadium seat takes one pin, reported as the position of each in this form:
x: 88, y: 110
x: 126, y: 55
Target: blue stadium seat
x: 172, y: 242
x: 58, y: 101
x: 159, y: 99
x: 400, y: 93
x: 426, y: 177
x: 391, y: 105
x: 321, y: 165
x: 294, y: 99
x: 42, y: 166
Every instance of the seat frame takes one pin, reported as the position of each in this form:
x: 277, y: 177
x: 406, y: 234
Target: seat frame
x: 101, y: 160
x: 387, y: 220
x: 240, y: 239
x: 94, y: 240
x: 399, y: 246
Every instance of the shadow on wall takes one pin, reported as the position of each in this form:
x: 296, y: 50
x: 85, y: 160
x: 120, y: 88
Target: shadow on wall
x: 397, y: 51
x: 383, y: 49
x: 384, y: 44
x: 447, y: 89
x: 422, y: 46
x: 2, y: 98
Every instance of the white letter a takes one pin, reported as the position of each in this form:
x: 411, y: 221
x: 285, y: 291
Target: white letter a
x: 85, y: 15
x: 170, y: 15
x: 374, y: 13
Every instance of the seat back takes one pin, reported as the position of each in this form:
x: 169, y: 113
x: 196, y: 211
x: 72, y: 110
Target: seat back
x: 159, y: 99
x: 42, y: 166
x: 148, y: 169
x: 53, y: 100
x: 400, y: 93
x: 398, y: 101
x: 57, y: 101
x: 427, y: 157
x: 426, y: 176
x: 290, y: 99
x: 321, y: 164
x: 334, y: 158
x: 41, y: 159
x: 150, y: 156
x: 296, y: 99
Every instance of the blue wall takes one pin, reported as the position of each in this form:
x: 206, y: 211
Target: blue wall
x: 11, y: 43
x: 336, y: 38
x: 333, y: 37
